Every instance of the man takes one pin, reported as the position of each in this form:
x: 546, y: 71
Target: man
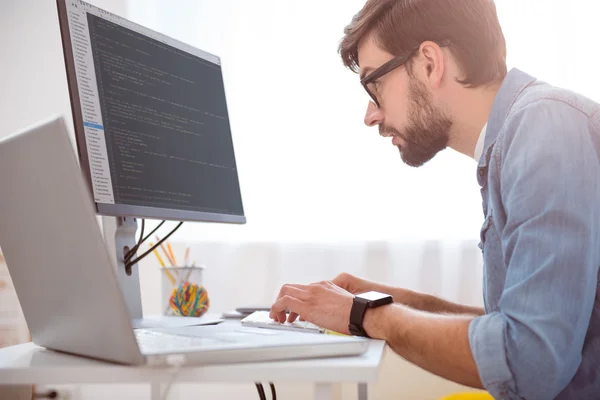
x: 436, y: 74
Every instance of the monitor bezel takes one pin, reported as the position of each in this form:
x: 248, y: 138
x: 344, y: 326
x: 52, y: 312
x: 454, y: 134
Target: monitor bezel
x: 125, y: 210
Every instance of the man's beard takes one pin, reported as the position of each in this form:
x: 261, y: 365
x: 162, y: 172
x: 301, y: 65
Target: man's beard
x: 428, y: 131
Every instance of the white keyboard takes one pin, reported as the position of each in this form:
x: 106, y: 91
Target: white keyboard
x: 261, y: 319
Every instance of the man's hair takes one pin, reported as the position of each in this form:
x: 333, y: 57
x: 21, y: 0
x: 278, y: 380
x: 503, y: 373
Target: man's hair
x: 469, y: 27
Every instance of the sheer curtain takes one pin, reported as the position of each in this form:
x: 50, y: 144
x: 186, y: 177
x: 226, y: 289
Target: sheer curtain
x: 314, y: 179
x: 324, y: 194
x: 309, y: 168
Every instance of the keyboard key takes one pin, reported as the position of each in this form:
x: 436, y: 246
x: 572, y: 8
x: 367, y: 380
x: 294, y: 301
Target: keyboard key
x: 261, y: 319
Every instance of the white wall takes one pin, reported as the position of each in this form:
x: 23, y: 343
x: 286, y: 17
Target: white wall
x: 34, y: 85
x: 309, y: 168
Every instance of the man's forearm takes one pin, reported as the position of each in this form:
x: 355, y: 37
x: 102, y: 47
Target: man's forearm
x: 429, y: 303
x: 434, y: 342
x: 436, y: 305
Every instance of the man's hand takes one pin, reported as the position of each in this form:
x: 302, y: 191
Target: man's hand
x: 324, y: 304
x: 353, y: 284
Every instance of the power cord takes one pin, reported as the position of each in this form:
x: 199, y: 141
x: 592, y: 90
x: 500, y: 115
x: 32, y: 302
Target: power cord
x: 130, y: 263
x: 261, y: 391
x: 177, y: 361
x: 143, y: 238
x: 132, y: 251
x: 177, y: 365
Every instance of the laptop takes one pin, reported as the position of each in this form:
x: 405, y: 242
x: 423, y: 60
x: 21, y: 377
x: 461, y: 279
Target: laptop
x: 66, y: 280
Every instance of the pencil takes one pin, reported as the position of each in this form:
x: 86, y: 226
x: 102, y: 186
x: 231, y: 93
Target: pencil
x: 162, y: 246
x: 160, y: 260
x: 171, y: 253
x: 330, y: 332
x: 162, y: 264
x: 187, y: 256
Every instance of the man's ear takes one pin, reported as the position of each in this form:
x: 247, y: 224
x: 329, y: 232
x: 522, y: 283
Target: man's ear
x: 432, y: 63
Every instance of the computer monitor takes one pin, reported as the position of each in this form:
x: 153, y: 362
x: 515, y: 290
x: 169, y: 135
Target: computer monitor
x: 151, y: 126
x: 151, y: 120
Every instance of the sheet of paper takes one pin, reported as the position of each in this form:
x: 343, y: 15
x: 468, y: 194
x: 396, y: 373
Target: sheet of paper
x: 160, y: 321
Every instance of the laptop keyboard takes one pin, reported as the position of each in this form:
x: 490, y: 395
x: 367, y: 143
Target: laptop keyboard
x: 261, y: 319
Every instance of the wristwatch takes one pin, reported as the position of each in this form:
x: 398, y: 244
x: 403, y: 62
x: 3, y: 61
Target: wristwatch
x: 360, y: 304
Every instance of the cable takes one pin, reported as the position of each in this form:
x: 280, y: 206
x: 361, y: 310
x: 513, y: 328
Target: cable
x: 176, y: 361
x: 273, y: 394
x: 261, y: 391
x: 131, y: 263
x: 132, y: 251
x: 153, y: 230
x: 167, y: 389
x: 135, y: 249
x: 146, y: 238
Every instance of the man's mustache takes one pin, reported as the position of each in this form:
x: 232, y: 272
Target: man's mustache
x: 388, y: 131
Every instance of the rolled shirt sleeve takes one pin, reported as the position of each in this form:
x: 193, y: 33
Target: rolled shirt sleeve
x: 531, y: 346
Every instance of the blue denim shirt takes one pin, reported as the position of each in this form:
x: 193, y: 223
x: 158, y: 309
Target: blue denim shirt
x: 540, y: 184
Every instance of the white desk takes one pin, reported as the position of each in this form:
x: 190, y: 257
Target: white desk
x: 28, y: 364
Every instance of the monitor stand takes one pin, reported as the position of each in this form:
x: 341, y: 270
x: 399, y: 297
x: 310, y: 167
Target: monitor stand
x: 120, y: 236
x: 129, y: 278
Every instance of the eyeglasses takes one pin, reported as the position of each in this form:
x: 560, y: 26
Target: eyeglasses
x: 368, y: 81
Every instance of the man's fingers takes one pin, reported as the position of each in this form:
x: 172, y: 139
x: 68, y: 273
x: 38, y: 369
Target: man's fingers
x: 280, y: 317
x: 289, y: 297
x: 293, y: 290
x: 342, y: 281
x: 292, y: 317
x: 296, y: 291
x: 287, y: 302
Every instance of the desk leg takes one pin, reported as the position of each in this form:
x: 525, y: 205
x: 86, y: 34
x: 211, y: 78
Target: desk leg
x: 324, y: 391
x: 363, y: 393
x: 155, y: 391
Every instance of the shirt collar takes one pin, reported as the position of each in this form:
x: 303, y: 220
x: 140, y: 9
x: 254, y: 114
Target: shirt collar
x: 513, y: 84
x: 479, y: 145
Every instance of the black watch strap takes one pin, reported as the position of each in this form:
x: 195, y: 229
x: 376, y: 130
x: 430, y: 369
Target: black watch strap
x: 357, y: 314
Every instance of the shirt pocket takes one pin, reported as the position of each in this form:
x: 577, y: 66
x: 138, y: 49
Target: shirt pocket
x: 494, y: 273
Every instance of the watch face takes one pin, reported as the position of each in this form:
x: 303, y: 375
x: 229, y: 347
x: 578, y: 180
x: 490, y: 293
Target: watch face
x: 372, y: 296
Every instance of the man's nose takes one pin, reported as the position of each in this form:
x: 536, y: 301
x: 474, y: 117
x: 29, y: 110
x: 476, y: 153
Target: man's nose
x: 374, y: 116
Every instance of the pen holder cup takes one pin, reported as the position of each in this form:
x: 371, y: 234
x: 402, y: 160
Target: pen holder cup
x: 183, y: 293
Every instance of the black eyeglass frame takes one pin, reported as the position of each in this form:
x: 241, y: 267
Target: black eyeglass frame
x: 382, y: 70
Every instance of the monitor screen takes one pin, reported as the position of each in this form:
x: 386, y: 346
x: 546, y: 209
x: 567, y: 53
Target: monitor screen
x: 151, y: 120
